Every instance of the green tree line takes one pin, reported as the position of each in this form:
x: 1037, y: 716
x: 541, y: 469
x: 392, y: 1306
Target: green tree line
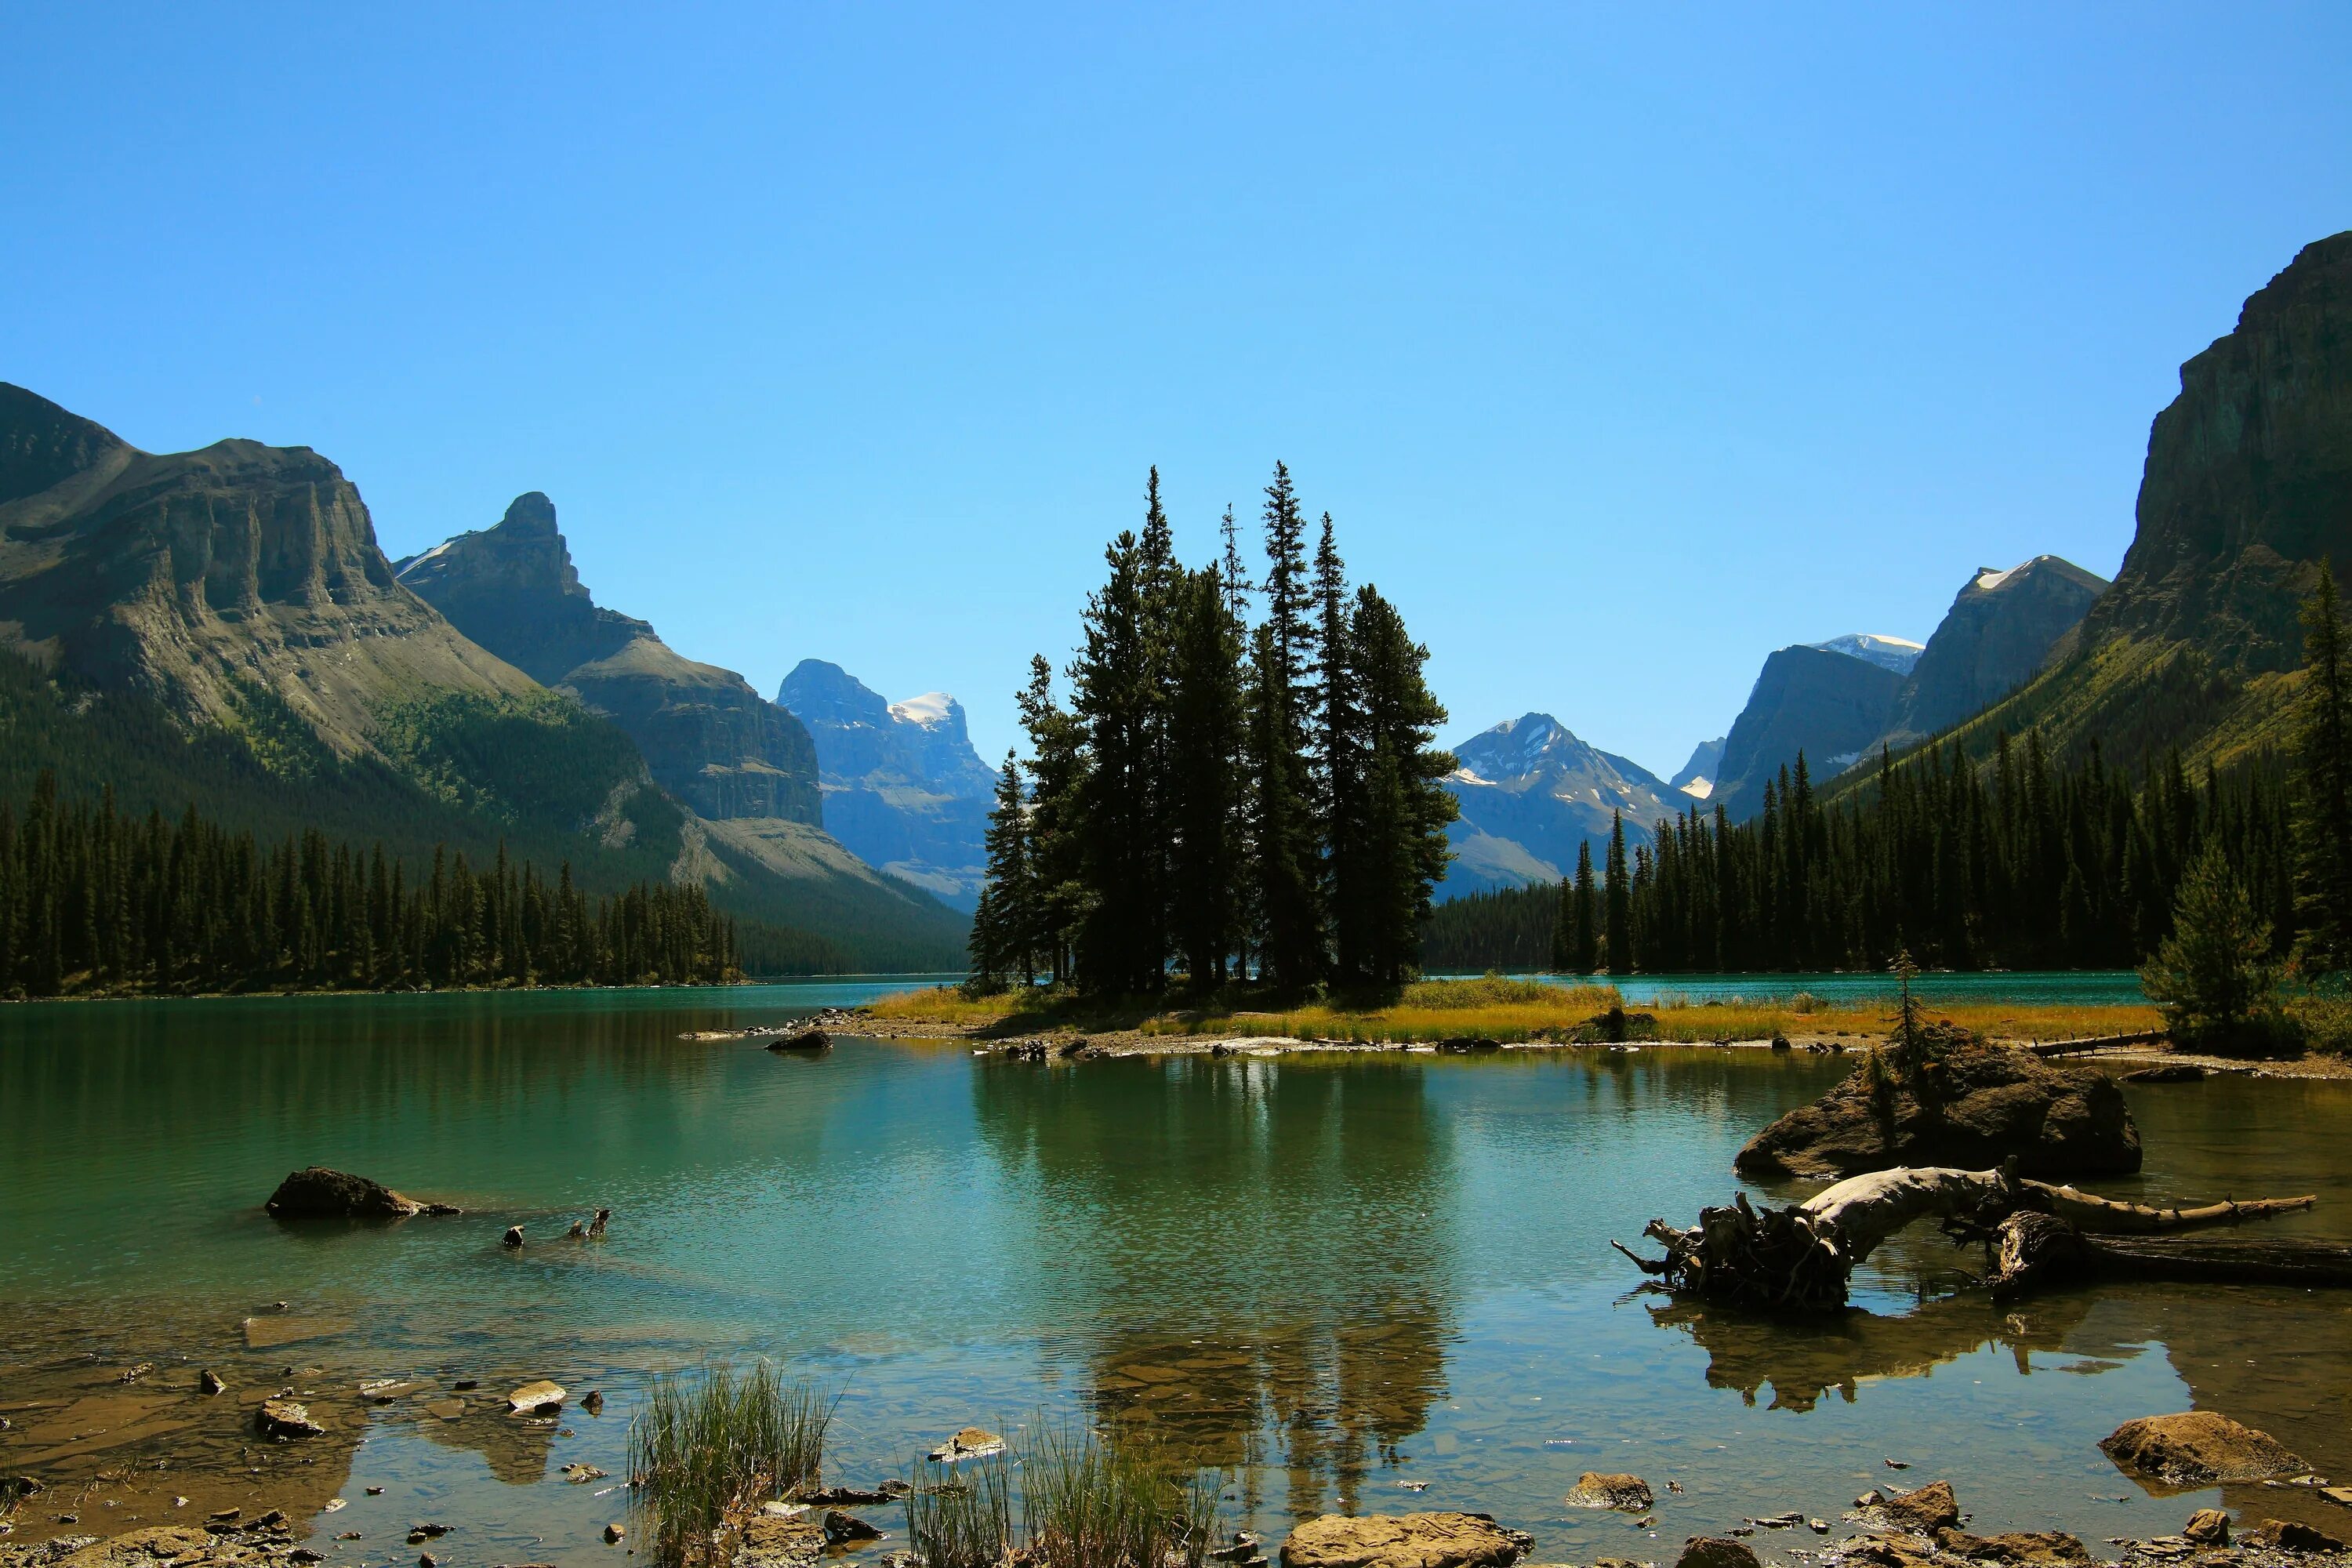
x: 95, y: 900
x: 1226, y: 796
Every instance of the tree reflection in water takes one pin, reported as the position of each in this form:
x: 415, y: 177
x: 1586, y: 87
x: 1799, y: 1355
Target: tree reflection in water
x: 1254, y: 1258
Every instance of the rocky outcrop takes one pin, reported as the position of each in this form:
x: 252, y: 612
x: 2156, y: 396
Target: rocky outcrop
x: 1696, y: 776
x: 903, y: 787
x: 320, y: 1193
x: 218, y: 583
x: 1624, y: 1493
x: 710, y: 739
x: 2196, y: 1448
x: 2247, y: 486
x: 1923, y: 1511
x: 1404, y: 1540
x: 1973, y: 1109
x: 1530, y: 791
x: 1993, y: 639
x: 1828, y: 705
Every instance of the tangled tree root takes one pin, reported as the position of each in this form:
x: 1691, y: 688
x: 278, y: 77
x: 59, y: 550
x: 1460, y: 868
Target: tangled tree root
x: 1802, y: 1256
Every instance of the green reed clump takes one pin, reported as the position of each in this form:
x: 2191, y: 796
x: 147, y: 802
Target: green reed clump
x: 961, y: 1516
x: 709, y: 1446
x: 1086, y: 1504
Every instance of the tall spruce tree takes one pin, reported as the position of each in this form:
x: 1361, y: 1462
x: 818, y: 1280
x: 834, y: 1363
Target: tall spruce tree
x: 1291, y: 937
x: 1207, y: 721
x: 2323, y: 784
x: 1585, y: 924
x: 1617, y: 897
x: 1004, y: 933
x: 1396, y: 829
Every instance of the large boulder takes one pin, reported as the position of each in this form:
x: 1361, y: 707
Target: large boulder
x: 1717, y: 1552
x: 2196, y: 1448
x: 1925, y: 1511
x: 320, y: 1193
x: 1973, y: 1108
x: 1625, y: 1493
x: 1404, y: 1540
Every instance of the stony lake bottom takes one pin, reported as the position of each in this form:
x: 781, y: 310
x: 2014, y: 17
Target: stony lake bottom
x: 1368, y: 1284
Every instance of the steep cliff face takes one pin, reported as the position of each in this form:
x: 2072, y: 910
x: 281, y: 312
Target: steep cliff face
x: 1831, y: 707
x: 1530, y: 791
x: 903, y: 787
x: 2247, y: 486
x: 215, y: 581
x: 710, y: 739
x: 2000, y: 629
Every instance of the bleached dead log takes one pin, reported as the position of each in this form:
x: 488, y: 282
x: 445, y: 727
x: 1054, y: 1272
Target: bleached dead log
x: 1801, y: 1256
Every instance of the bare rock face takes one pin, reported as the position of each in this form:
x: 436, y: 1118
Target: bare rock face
x: 2196, y: 1448
x: 1992, y: 640
x: 1404, y: 1540
x: 1829, y: 706
x: 320, y: 1193
x: 1973, y: 1110
x: 710, y: 739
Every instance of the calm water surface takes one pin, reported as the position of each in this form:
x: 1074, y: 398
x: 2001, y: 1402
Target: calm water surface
x: 1329, y: 1277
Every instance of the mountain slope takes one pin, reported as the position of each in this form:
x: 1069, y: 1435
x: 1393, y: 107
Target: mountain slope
x: 1696, y: 777
x: 710, y: 739
x: 2247, y: 486
x: 903, y: 786
x: 2000, y: 629
x: 1829, y: 706
x: 205, y: 579
x: 1530, y: 791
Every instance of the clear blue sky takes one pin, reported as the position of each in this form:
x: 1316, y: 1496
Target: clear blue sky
x: 1625, y: 343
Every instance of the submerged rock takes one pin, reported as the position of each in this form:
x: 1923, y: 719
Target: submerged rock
x: 2196, y: 1448
x: 1972, y: 1108
x: 972, y: 1443
x: 1627, y: 1494
x: 320, y: 1193
x: 281, y: 1419
x: 1405, y: 1541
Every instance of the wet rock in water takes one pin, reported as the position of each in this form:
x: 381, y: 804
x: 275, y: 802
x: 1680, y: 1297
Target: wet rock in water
x: 2169, y: 1072
x: 209, y: 1381
x: 2196, y: 1448
x: 1627, y: 1494
x: 320, y: 1193
x: 580, y: 1475
x: 1925, y: 1511
x: 803, y: 1040
x: 2288, y: 1536
x: 972, y: 1443
x: 841, y: 1527
x: 835, y: 1496
x: 133, y: 1373
x: 1870, y: 1499
x: 513, y: 1237
x: 768, y: 1542
x: 2208, y: 1527
x: 2023, y: 1548
x: 283, y: 1419
x: 612, y: 1533
x: 1978, y: 1106
x: 426, y: 1560
x: 774, y: 1509
x: 592, y: 1402
x: 1715, y: 1552
x: 447, y: 1409
x: 1404, y: 1540
x: 535, y: 1399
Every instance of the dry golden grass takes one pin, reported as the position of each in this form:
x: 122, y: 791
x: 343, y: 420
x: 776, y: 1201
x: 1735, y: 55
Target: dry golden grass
x: 1494, y: 1008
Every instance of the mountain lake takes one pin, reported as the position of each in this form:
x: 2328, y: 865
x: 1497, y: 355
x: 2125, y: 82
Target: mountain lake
x: 1364, y: 1284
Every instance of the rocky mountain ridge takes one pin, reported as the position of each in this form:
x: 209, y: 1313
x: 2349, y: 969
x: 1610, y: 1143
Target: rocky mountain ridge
x: 903, y: 786
x: 1530, y: 790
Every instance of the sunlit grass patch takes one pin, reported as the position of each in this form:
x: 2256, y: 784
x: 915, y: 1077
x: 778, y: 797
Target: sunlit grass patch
x: 709, y: 1446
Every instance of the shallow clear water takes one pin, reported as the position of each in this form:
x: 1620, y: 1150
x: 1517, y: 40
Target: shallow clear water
x: 1328, y: 1276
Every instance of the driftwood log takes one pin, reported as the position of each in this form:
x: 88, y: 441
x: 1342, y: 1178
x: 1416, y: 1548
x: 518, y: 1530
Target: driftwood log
x: 1802, y: 1256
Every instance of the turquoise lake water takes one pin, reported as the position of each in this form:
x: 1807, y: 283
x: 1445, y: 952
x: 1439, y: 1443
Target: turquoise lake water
x: 1327, y: 1278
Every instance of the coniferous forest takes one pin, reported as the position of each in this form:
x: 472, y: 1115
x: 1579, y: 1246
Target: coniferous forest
x: 2017, y: 867
x: 92, y: 899
x: 1223, y: 798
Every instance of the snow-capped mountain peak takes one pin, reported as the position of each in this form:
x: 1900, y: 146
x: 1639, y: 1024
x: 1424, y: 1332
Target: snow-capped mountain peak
x: 1897, y: 654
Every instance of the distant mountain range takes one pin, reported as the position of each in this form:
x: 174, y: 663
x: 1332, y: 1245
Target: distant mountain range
x: 903, y: 787
x: 1529, y: 793
x: 219, y: 628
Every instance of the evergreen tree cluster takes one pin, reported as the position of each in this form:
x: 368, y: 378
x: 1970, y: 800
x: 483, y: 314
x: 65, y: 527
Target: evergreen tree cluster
x: 92, y: 899
x: 2014, y: 866
x: 1223, y: 798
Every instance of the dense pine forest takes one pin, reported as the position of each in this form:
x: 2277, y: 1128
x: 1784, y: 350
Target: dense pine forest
x: 1221, y: 800
x: 96, y: 901
x: 2012, y: 867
